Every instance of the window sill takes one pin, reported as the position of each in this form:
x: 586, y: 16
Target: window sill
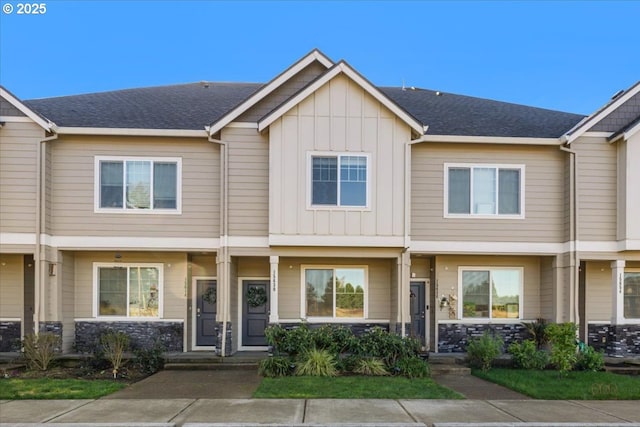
x: 139, y: 211
x: 126, y: 319
x: 484, y: 321
x: 494, y: 217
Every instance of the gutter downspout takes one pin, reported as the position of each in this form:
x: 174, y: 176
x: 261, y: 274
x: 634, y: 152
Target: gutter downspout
x: 574, y: 231
x: 38, y: 292
x: 224, y: 225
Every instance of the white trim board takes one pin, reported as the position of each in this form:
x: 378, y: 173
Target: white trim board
x: 493, y: 248
x: 187, y: 133
x: 336, y: 241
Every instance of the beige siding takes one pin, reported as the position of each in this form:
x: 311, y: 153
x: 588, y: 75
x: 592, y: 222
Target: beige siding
x: 11, y: 286
x: 378, y: 292
x: 254, y: 267
x: 547, y: 298
x: 73, y: 213
x: 629, y: 188
x: 596, y: 189
x: 174, y: 286
x: 339, y: 117
x: 544, y: 194
x: 204, y: 266
x: 18, y: 176
x: 447, y: 268
x: 68, y: 297
x: 248, y: 182
x: 284, y: 92
x: 598, y: 291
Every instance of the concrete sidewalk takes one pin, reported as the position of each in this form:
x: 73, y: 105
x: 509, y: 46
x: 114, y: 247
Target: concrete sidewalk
x: 320, y: 411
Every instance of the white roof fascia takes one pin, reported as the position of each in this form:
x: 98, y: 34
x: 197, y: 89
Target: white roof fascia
x: 344, y: 68
x: 43, y: 123
x: 466, y: 139
x: 314, y: 55
x: 579, y: 129
x: 132, y: 132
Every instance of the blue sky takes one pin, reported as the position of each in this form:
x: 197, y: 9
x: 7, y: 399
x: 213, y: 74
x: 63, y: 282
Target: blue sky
x: 570, y: 56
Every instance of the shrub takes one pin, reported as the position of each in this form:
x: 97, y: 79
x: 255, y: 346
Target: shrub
x: 371, y: 366
x: 389, y: 347
x: 562, y: 337
x: 151, y: 360
x: 482, y: 351
x: 413, y: 367
x: 39, y: 350
x: 317, y: 363
x: 275, y: 366
x: 292, y: 341
x: 590, y: 360
x: 114, y: 344
x: 335, y: 339
x: 537, y: 330
x: 526, y: 356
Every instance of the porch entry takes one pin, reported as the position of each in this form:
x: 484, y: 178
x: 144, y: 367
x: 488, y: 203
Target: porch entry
x: 255, y: 312
x: 206, y: 296
x: 28, y: 295
x: 419, y: 312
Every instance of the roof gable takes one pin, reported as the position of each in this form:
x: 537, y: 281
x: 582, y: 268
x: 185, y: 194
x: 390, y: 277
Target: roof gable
x: 617, y: 102
x: 313, y: 56
x: 15, y: 102
x: 341, y: 68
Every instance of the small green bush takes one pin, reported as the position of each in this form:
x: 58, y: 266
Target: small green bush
x: 149, y: 360
x: 413, y: 367
x: 317, y: 363
x: 526, y: 355
x: 114, y: 344
x: 40, y: 350
x: 537, y: 330
x: 387, y: 346
x: 275, y: 366
x: 590, y: 360
x: 482, y: 351
x: 562, y: 337
x: 370, y: 366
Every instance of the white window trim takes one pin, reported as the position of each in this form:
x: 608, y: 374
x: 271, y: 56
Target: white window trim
x: 496, y: 166
x: 124, y: 210
x: 489, y: 319
x: 303, y: 295
x: 338, y: 154
x: 96, y: 290
x: 631, y: 320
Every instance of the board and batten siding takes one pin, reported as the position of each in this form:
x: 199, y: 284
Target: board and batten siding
x: 597, y: 189
x: 447, y: 268
x: 11, y: 286
x: 380, y: 285
x: 248, y: 182
x: 628, y: 188
x: 18, y: 176
x: 174, y: 285
x: 599, y: 291
x: 72, y: 187
x: 544, y: 212
x: 339, y: 117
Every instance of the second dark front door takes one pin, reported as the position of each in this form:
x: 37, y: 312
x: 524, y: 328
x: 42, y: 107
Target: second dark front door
x: 255, y: 312
x: 206, y: 332
x: 418, y: 311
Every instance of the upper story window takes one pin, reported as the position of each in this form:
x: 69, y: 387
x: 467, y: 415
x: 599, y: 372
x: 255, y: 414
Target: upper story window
x: 632, y: 295
x: 128, y: 290
x: 491, y: 293
x: 138, y: 184
x: 334, y: 293
x: 484, y: 191
x: 339, y: 180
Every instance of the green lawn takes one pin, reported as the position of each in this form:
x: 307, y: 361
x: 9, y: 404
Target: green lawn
x: 353, y: 387
x: 580, y: 385
x: 45, y: 388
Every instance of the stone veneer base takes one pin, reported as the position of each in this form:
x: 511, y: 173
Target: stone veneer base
x: 142, y: 335
x: 453, y: 337
x: 615, y: 340
x: 10, y: 332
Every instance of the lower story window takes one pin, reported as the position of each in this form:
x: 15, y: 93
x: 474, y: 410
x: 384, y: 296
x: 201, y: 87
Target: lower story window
x: 128, y: 290
x: 491, y: 293
x: 632, y: 295
x: 335, y: 292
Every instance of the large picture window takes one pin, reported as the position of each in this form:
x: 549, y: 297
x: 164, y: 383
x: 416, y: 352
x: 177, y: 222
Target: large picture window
x: 335, y: 292
x: 339, y: 180
x: 128, y: 290
x: 491, y: 293
x: 484, y: 190
x: 632, y: 295
x: 137, y: 185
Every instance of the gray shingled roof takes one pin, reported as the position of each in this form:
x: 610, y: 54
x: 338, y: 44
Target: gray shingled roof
x: 194, y: 106
x: 185, y: 106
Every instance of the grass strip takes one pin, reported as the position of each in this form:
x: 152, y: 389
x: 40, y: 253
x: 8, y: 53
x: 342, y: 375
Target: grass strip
x: 46, y: 388
x: 578, y: 385
x: 352, y: 387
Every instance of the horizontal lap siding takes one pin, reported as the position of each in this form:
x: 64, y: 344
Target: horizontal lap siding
x: 248, y: 182
x: 599, y: 291
x: 544, y: 194
x: 11, y: 286
x: 18, y: 176
x: 73, y: 189
x: 597, y: 191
